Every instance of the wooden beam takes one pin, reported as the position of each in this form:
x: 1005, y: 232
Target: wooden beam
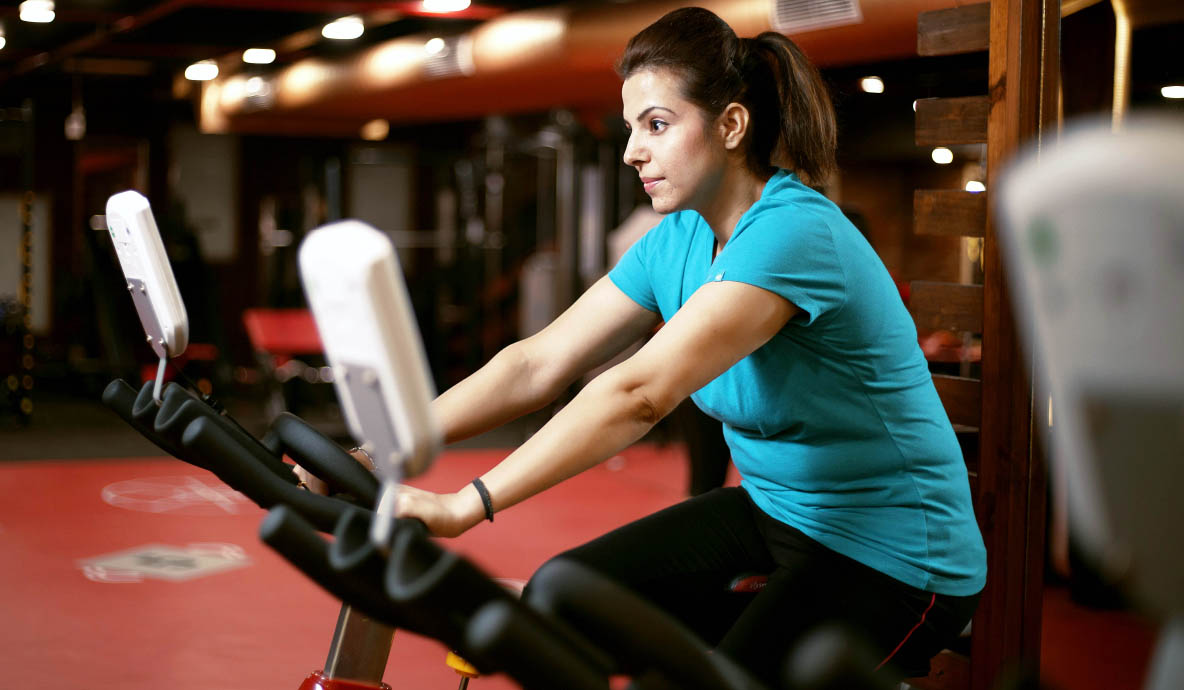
x: 946, y: 306
x: 1069, y: 7
x: 949, y: 212
x: 1010, y: 497
x: 962, y: 398
x: 955, y: 30
x: 948, y: 121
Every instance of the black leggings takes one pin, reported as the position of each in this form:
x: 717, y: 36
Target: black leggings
x: 684, y: 559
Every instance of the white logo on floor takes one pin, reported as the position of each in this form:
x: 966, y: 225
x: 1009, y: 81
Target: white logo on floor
x: 178, y: 495
x: 163, y: 562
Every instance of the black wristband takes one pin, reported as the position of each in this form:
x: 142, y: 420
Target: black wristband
x: 485, y: 499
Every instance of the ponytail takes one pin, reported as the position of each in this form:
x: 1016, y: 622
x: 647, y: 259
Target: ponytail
x: 790, y: 108
x: 791, y: 118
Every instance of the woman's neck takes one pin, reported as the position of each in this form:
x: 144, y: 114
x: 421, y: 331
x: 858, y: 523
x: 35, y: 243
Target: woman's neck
x: 738, y: 191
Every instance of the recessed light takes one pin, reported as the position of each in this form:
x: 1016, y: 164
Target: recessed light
x: 37, y: 11
x: 872, y: 85
x: 202, y: 71
x: 376, y: 130
x: 443, y: 6
x: 344, y: 29
x: 942, y: 156
x: 259, y: 56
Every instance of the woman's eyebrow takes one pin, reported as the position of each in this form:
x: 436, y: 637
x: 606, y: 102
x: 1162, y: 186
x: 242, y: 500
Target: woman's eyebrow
x: 642, y: 114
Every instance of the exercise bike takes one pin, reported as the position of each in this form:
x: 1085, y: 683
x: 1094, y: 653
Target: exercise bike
x: 567, y: 633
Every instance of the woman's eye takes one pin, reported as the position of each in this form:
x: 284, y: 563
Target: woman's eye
x: 657, y: 125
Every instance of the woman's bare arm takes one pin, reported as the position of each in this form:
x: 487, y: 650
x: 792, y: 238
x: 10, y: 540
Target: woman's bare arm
x: 718, y: 326
x: 533, y: 372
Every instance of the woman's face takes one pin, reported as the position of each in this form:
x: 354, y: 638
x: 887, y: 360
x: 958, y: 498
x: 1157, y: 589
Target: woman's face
x: 672, y: 145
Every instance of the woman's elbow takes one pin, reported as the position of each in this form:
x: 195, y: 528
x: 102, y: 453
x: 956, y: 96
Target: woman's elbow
x: 534, y: 370
x: 642, y: 401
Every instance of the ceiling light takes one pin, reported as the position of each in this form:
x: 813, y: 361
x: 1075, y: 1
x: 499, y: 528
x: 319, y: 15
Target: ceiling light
x: 1172, y: 92
x: 202, y: 71
x: 434, y: 46
x: 975, y: 186
x: 872, y: 85
x: 37, y: 11
x: 2, y: 39
x: 343, y: 29
x: 942, y: 156
x: 259, y: 56
x: 443, y: 6
x: 376, y: 130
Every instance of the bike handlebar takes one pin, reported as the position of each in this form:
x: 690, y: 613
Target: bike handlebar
x: 190, y: 430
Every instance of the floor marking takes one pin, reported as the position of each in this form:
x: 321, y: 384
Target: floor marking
x: 186, y: 495
x: 164, y: 562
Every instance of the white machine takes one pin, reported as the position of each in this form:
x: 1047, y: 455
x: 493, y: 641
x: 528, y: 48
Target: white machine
x: 149, y: 276
x: 358, y: 298
x: 1093, y: 235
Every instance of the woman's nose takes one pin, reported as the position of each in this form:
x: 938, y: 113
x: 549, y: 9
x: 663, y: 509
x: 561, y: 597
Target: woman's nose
x: 633, y: 152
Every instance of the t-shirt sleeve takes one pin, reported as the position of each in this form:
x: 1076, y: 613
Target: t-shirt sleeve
x: 791, y: 254
x: 632, y: 275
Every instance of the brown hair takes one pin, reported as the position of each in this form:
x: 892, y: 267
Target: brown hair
x: 791, y: 117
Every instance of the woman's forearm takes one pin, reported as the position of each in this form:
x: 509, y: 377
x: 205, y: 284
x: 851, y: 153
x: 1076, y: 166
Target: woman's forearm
x: 606, y: 417
x: 507, y: 387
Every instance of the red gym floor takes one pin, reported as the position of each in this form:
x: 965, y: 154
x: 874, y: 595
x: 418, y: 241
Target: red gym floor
x: 73, y: 619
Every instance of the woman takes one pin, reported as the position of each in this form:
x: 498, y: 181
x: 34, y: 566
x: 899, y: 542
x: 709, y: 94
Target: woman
x: 781, y: 321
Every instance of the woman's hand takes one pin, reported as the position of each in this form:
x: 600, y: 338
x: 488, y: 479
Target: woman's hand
x: 311, y: 482
x: 446, y: 515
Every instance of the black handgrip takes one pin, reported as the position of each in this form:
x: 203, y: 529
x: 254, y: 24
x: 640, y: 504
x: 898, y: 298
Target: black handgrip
x: 352, y: 548
x: 318, y: 454
x: 295, y: 539
x: 121, y: 398
x: 236, y: 465
x: 833, y: 656
x: 353, y: 555
x: 179, y: 409
x: 421, y: 573
x: 650, y: 639
x: 528, y: 651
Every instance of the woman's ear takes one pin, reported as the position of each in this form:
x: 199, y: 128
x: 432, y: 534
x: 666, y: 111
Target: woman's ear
x: 733, y: 125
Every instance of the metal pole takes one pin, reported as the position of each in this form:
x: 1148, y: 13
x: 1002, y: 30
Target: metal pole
x: 25, y: 293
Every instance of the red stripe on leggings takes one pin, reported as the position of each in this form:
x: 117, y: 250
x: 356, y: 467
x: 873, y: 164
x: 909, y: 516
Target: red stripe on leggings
x: 932, y: 600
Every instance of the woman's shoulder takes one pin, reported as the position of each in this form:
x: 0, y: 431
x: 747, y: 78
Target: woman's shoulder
x: 801, y: 215
x: 786, y: 193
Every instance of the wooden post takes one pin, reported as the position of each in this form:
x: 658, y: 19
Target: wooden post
x: 1023, y: 69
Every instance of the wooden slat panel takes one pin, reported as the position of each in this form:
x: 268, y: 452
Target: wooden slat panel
x: 947, y: 121
x: 949, y: 212
x: 946, y: 306
x: 947, y: 671
x: 962, y: 398
x: 955, y: 30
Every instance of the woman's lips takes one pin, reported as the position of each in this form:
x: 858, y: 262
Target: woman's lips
x: 649, y: 183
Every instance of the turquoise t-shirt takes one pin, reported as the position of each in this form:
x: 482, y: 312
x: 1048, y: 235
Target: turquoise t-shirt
x: 834, y: 424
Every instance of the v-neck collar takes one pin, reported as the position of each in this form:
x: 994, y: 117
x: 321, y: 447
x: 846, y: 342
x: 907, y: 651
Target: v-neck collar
x: 712, y: 255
